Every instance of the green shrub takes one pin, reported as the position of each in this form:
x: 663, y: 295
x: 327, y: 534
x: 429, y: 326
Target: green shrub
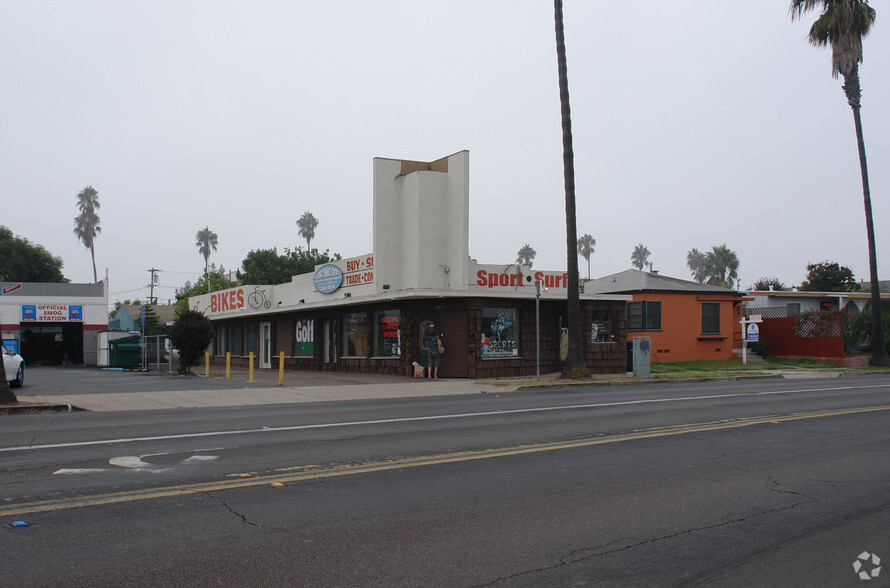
x: 760, y: 348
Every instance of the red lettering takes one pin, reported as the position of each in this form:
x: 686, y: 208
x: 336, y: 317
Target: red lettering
x: 240, y: 298
x: 480, y: 278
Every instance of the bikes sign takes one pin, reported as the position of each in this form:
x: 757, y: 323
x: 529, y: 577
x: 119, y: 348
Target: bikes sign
x: 327, y: 278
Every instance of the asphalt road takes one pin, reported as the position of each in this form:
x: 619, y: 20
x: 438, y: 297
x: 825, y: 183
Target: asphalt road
x: 768, y: 482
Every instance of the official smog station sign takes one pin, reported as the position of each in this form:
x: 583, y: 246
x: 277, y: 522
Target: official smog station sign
x: 52, y: 313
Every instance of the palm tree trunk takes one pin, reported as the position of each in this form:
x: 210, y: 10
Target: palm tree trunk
x: 93, y: 256
x: 878, y: 342
x: 575, y: 365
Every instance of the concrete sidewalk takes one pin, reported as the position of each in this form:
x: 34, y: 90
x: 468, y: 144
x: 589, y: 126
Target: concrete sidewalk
x: 298, y: 387
x: 302, y: 386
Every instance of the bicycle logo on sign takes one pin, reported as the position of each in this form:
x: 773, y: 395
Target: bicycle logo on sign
x: 257, y: 299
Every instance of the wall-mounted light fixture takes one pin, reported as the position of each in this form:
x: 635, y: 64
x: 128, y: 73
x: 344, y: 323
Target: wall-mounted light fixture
x: 386, y: 286
x: 279, y: 303
x: 347, y: 295
x: 302, y: 301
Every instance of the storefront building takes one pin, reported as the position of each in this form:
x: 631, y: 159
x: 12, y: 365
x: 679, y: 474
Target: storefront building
x: 373, y: 313
x: 50, y: 323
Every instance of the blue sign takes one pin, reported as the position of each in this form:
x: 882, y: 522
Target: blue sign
x: 752, y: 333
x: 29, y: 312
x: 11, y: 345
x: 75, y: 313
x: 328, y: 278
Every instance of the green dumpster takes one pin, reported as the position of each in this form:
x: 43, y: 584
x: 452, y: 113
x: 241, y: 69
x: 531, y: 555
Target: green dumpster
x: 124, y: 352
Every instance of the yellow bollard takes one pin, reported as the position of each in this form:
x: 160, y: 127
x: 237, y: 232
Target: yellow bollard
x: 228, y: 365
x: 206, y: 364
x: 281, y: 369
x: 250, y: 355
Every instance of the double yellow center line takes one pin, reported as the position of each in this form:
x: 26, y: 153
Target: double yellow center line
x: 315, y: 473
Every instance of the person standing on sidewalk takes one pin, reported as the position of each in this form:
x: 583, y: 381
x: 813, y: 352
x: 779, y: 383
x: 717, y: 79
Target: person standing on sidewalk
x: 432, y: 354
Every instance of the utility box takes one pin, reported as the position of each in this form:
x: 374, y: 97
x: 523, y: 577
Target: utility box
x: 642, y: 351
x: 124, y: 352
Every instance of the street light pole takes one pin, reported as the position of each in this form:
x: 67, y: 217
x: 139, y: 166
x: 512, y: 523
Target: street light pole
x: 538, y: 285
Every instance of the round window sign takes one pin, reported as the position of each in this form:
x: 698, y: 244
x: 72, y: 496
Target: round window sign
x: 327, y: 278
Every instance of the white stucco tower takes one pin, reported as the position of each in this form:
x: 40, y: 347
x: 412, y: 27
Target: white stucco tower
x: 421, y: 223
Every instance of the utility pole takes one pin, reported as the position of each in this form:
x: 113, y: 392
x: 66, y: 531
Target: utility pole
x: 154, y: 280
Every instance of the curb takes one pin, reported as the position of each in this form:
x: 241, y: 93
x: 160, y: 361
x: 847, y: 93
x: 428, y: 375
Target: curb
x: 39, y: 408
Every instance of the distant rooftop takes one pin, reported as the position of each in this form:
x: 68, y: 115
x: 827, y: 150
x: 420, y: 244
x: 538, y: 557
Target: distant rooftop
x: 633, y: 280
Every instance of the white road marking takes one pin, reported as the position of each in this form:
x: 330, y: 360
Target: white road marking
x: 80, y: 471
x: 199, y: 459
x: 129, y: 461
x: 499, y: 412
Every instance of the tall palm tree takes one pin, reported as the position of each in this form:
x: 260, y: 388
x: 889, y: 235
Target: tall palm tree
x: 526, y: 255
x: 205, y: 240
x: 575, y: 365
x: 86, y: 224
x: 586, y: 243
x: 722, y: 266
x: 697, y: 262
x: 842, y: 25
x: 640, y: 257
x: 307, y: 224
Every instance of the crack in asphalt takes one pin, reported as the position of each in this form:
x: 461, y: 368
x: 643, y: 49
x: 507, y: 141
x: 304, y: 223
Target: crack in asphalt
x: 239, y: 515
x: 571, y: 558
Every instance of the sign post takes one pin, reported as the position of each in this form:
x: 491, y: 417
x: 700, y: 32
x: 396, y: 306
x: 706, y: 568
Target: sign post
x: 750, y: 332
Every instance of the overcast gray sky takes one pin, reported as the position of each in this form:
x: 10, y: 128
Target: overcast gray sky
x: 696, y: 123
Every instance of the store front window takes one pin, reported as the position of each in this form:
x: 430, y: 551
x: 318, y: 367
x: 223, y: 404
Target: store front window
x: 387, y: 333
x: 250, y: 338
x: 500, y: 333
x: 235, y: 338
x: 355, y: 335
x: 220, y: 340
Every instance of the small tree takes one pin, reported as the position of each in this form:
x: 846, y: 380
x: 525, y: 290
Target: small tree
x: 23, y: 261
x: 829, y: 277
x: 766, y: 284
x: 586, y: 245
x: 86, y: 224
x: 191, y: 334
x: 307, y: 223
x: 697, y: 262
x: 526, y: 255
x: 640, y: 256
x: 205, y: 240
x: 217, y: 281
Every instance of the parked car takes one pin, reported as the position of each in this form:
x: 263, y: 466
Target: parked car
x: 15, y: 368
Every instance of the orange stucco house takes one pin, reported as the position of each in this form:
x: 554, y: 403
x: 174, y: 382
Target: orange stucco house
x: 685, y: 320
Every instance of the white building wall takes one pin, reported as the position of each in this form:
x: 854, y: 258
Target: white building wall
x: 421, y: 223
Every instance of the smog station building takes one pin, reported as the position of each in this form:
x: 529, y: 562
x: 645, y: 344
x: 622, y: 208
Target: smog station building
x: 53, y: 322
x: 373, y: 313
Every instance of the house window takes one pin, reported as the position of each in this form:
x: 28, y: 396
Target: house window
x: 387, y: 333
x: 500, y: 333
x: 604, y: 328
x: 710, y: 318
x: 644, y: 316
x: 355, y: 335
x: 793, y: 308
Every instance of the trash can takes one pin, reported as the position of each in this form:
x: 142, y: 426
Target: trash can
x: 124, y: 352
